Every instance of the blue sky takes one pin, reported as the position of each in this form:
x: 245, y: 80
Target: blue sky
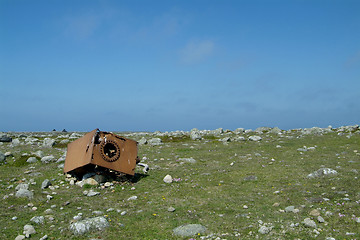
x: 178, y: 65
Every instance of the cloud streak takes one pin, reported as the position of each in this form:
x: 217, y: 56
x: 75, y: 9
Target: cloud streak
x: 196, y: 51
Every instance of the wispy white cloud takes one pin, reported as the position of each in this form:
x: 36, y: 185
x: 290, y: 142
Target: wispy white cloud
x: 82, y: 26
x: 196, y: 51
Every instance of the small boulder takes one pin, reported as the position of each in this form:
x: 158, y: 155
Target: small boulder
x: 255, y: 138
x: 143, y: 141
x: 48, y: 142
x: 31, y: 160
x: 309, y: 223
x: 45, y: 184
x: 322, y: 172
x: 155, y: 141
x: 28, y: 230
x: 264, y: 230
x: 38, y: 220
x: 89, y: 224
x: 168, y: 179
x: 2, y: 157
x: 5, y: 138
x: 289, y: 209
x: 189, y: 160
x: 195, y: 134
x: 314, y: 213
x: 189, y: 230
x: 24, y: 193
x: 20, y: 237
x: 47, y: 159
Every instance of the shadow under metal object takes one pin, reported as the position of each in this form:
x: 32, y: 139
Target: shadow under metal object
x: 103, y: 149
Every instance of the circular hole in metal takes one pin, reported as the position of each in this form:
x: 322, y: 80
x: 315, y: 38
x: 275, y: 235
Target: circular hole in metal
x: 110, y: 151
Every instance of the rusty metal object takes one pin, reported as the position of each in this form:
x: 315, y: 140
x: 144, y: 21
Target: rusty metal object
x: 103, y: 149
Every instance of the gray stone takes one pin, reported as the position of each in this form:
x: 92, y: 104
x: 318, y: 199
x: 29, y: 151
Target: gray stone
x: 2, y: 157
x: 171, y: 209
x: 309, y: 223
x: 39, y: 154
x: 15, y: 142
x: 28, y: 230
x: 155, y: 141
x: 189, y: 160
x: 22, y: 186
x: 101, y: 178
x: 239, y: 130
x: 89, y: 224
x: 47, y: 159
x: 320, y: 219
x: 189, y: 230
x: 217, y: 131
x: 250, y: 178
x: 90, y: 193
x: 5, y: 138
x: 225, y: 139
x: 275, y: 130
x: 132, y: 198
x: 316, y: 131
x: 24, y: 193
x: 38, y: 219
x: 20, y: 237
x: 31, y: 160
x: 88, y: 175
x: 264, y: 230
x: 195, y: 134
x: 44, y: 237
x: 143, y: 141
x: 45, y: 184
x: 323, y: 172
x: 64, y: 141
x: 290, y: 209
x: 239, y: 139
x: 262, y: 129
x: 98, y: 213
x: 48, y: 142
x: 255, y: 138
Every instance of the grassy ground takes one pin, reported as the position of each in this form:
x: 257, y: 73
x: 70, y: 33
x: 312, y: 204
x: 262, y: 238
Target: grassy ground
x: 231, y: 190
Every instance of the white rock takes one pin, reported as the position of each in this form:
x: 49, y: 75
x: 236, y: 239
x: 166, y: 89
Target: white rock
x: 168, y: 179
x: 47, y: 159
x: 255, y: 138
x: 132, y: 198
x: 28, y: 230
x: 24, y: 193
x: 320, y: 219
x: 323, y: 172
x: 264, y: 230
x: 20, y: 237
x: 38, y: 220
x: 89, y: 224
x: 309, y: 223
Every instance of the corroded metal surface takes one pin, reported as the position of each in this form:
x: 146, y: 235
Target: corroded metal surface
x: 103, y: 149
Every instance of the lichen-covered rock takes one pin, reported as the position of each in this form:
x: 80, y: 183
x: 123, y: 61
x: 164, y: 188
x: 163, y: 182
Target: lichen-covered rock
x: 24, y: 193
x: 89, y: 224
x: 323, y: 172
x: 189, y: 230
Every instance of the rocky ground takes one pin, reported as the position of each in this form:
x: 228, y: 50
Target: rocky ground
x: 204, y: 184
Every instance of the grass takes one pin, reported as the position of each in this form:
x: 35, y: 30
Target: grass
x: 211, y: 192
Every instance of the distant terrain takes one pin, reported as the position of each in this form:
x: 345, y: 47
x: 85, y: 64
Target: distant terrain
x: 265, y: 183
